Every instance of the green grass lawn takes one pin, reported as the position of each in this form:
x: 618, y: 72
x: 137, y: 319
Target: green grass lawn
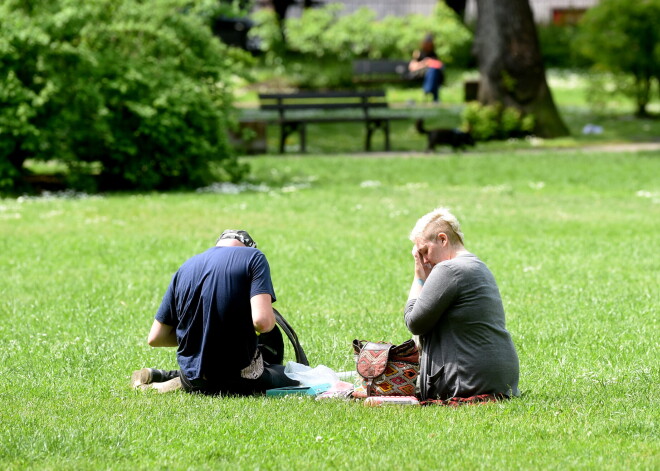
x: 572, y: 238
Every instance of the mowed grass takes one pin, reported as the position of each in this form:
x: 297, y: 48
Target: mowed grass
x: 572, y: 238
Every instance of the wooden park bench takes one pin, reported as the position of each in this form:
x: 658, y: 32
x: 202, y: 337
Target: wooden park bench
x: 372, y: 71
x: 296, y: 110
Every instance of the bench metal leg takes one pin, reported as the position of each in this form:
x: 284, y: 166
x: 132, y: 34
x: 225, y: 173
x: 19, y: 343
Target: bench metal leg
x: 386, y: 128
x: 372, y: 126
x: 283, y: 134
x: 367, y: 142
x: 302, y: 130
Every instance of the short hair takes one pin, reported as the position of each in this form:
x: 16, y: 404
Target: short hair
x: 438, y: 220
x: 242, y: 236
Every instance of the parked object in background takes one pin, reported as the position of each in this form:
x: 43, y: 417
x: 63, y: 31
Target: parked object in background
x: 235, y: 32
x: 592, y: 129
x: 458, y: 140
x: 471, y: 90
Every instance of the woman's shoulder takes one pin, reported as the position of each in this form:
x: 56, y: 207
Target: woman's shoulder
x: 462, y: 258
x: 464, y: 262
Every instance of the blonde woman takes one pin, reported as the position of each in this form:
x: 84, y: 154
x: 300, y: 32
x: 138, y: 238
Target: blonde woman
x: 455, y: 308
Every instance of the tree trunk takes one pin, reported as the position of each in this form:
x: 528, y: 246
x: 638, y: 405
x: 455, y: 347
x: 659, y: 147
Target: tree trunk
x: 642, y: 94
x: 458, y: 6
x: 280, y: 7
x: 510, y: 64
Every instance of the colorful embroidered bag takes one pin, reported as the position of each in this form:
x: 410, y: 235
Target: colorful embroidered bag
x: 386, y: 369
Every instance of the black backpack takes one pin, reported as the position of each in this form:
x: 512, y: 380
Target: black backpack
x: 271, y: 343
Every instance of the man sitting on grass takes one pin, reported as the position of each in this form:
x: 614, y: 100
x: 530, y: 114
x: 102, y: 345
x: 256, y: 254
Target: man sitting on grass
x: 214, y: 308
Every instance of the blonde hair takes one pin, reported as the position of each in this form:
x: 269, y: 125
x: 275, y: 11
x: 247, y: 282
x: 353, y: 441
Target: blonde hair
x: 438, y: 220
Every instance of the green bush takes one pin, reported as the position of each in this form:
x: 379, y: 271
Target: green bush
x: 490, y: 122
x: 557, y: 47
x: 9, y: 175
x: 323, y: 39
x: 141, y: 88
x: 623, y: 37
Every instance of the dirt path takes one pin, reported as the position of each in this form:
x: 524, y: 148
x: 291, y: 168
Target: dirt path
x: 624, y: 147
x: 621, y: 147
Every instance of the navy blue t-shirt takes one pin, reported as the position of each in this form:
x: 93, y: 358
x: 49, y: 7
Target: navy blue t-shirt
x: 208, y: 302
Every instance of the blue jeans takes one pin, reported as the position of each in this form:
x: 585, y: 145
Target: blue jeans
x: 272, y: 377
x: 432, y: 82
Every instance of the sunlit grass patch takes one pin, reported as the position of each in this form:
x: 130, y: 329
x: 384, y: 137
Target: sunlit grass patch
x: 571, y: 238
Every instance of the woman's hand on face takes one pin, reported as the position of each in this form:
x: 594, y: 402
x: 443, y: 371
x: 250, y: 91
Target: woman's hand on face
x: 422, y: 270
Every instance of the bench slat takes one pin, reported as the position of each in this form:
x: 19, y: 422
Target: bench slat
x: 336, y: 120
x: 322, y: 100
x: 330, y: 94
x: 320, y: 106
x: 392, y: 67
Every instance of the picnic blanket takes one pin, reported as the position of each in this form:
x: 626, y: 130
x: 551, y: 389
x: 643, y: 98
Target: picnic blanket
x: 461, y: 401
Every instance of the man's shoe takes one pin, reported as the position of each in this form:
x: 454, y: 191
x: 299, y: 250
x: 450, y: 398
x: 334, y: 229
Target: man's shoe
x: 141, y: 377
x: 152, y: 375
x: 168, y: 386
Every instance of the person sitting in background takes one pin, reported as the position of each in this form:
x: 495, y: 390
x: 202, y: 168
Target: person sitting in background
x: 455, y: 308
x: 425, y: 63
x: 216, y: 305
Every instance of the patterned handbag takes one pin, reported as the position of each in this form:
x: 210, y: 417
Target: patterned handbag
x: 386, y: 369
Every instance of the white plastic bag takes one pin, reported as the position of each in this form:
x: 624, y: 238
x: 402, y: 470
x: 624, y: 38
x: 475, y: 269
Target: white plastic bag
x: 309, y: 376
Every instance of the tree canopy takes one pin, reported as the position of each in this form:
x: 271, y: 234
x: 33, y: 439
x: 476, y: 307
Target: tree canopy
x: 624, y: 37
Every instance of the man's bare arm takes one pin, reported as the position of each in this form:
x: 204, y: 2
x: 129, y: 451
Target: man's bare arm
x: 162, y: 335
x: 263, y: 317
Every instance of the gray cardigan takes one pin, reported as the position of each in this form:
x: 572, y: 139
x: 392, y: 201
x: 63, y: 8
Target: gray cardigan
x: 466, y: 349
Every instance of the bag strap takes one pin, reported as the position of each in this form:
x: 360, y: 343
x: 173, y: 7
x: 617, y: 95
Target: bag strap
x: 293, y: 338
x: 407, y: 352
x: 372, y: 361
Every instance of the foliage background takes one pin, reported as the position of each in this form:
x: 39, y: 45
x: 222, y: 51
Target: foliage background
x: 623, y: 38
x: 141, y: 91
x: 317, y: 48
